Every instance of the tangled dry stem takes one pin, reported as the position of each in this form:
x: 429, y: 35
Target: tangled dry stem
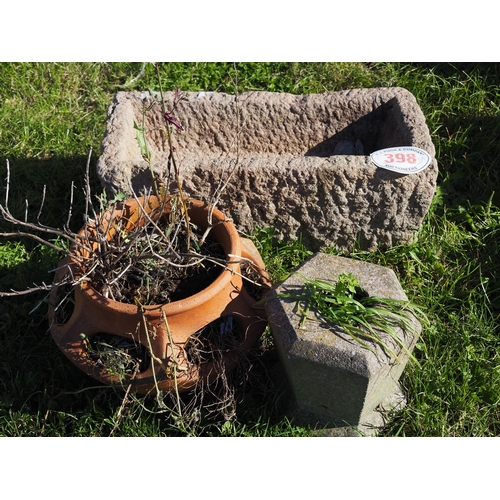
x: 140, y: 266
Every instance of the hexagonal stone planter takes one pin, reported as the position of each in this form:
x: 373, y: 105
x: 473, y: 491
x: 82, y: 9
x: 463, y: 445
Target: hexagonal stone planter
x: 301, y: 162
x: 335, y: 381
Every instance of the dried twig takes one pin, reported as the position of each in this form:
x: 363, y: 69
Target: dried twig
x: 65, y: 234
x: 221, y: 187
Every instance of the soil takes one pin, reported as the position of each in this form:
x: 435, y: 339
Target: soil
x: 151, y: 280
x: 162, y: 283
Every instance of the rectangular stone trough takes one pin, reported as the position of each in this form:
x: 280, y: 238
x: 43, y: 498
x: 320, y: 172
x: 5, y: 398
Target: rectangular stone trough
x: 297, y: 163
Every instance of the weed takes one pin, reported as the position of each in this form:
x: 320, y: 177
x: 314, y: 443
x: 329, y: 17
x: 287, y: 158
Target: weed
x: 364, y: 318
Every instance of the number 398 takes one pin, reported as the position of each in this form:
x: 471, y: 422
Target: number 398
x: 400, y: 158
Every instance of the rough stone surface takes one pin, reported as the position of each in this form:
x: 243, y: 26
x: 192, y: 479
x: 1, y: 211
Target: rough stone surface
x: 298, y: 163
x: 335, y: 381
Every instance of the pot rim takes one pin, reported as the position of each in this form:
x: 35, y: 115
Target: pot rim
x: 195, y: 300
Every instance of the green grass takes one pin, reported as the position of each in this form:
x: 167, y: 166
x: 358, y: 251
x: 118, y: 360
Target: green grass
x: 51, y: 114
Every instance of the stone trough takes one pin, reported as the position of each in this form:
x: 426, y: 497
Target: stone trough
x: 297, y: 163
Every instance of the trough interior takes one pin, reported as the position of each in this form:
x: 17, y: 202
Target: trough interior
x: 384, y: 127
x: 288, y: 128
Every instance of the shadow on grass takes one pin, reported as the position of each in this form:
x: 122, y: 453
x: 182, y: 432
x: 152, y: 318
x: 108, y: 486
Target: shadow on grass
x: 32, y: 370
x: 470, y: 160
x: 490, y: 72
x: 28, y: 176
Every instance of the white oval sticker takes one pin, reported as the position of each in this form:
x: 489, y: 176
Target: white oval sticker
x: 404, y: 159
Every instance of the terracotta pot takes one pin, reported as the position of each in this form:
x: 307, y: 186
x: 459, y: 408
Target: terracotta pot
x: 164, y: 330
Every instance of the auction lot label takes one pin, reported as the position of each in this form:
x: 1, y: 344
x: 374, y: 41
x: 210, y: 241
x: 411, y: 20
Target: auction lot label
x: 403, y: 160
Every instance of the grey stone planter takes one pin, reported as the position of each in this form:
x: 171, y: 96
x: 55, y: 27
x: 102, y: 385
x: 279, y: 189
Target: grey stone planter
x: 301, y: 162
x: 336, y: 382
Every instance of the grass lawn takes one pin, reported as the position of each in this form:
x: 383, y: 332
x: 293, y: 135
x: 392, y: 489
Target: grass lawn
x: 52, y: 114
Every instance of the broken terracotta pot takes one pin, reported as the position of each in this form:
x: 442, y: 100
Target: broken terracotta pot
x: 163, y: 331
